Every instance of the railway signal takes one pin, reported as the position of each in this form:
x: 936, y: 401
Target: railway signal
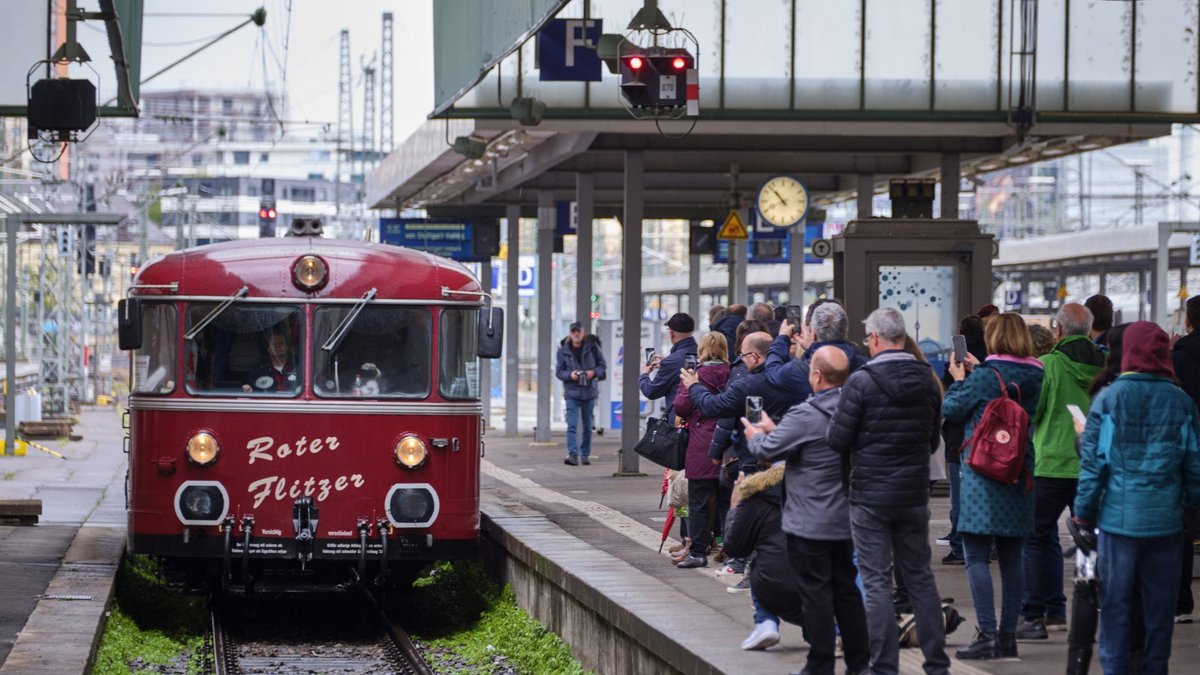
x: 266, y: 218
x: 656, y: 78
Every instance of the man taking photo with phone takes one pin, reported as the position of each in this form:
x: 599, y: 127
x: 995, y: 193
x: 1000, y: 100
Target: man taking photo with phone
x: 664, y: 383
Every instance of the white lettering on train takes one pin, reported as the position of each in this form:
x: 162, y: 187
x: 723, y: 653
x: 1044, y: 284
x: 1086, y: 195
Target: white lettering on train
x: 280, y: 488
x: 264, y: 447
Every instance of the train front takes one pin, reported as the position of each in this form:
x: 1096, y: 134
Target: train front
x: 301, y: 402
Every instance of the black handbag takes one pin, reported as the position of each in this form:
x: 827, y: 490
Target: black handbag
x: 663, y: 443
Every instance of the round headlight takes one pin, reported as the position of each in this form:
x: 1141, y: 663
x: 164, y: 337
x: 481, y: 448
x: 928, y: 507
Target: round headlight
x: 310, y: 273
x: 202, y: 449
x: 410, y: 452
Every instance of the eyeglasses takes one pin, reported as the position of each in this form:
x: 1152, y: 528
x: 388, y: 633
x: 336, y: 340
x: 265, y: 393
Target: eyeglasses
x: 744, y: 355
x: 867, y: 340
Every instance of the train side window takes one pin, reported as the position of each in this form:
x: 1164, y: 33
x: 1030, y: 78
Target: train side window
x: 385, y: 353
x: 154, y: 364
x: 250, y: 350
x: 458, y: 367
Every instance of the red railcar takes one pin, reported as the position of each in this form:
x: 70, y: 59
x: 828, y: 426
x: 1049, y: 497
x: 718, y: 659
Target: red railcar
x: 301, y: 401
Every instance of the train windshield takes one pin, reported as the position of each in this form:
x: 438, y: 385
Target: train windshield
x: 154, y: 362
x: 247, y: 350
x: 385, y: 353
x: 458, y: 367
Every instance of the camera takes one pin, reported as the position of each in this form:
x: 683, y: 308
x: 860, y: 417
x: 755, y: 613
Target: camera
x: 581, y: 377
x: 689, y: 362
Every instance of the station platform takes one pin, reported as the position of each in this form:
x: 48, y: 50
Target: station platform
x: 599, y: 534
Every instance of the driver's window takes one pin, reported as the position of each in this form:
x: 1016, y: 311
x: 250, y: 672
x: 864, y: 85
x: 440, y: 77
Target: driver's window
x: 385, y: 352
x: 247, y: 350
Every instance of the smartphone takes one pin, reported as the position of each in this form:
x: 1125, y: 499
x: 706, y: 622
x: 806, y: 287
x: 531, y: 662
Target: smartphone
x: 1077, y: 413
x: 794, y: 315
x: 754, y: 409
x: 689, y: 362
x: 960, y: 348
x: 649, y: 355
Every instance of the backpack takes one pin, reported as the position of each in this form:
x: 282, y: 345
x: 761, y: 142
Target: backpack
x: 999, y: 441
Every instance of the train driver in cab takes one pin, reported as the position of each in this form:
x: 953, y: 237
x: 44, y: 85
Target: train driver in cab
x: 276, y: 374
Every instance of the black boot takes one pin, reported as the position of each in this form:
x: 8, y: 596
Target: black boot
x: 982, y: 647
x: 1078, y: 660
x: 1006, y: 646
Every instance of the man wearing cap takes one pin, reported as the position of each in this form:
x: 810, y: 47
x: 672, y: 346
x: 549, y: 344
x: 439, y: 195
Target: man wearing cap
x: 679, y: 330
x: 580, y: 363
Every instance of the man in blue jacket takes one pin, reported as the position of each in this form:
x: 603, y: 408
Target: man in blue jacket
x: 580, y: 363
x: 825, y: 325
x: 1139, y: 469
x: 679, y: 330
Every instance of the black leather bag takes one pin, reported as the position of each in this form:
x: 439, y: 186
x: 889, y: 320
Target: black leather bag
x: 663, y: 443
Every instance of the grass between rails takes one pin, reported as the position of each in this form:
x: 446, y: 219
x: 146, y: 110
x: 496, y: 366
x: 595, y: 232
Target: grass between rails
x: 465, y: 623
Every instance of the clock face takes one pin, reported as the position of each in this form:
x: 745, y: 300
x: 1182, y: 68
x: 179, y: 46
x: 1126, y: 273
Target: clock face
x: 782, y: 201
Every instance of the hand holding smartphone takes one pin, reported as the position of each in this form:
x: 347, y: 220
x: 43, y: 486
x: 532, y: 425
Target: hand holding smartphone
x: 689, y: 362
x: 1077, y: 414
x: 960, y: 348
x: 754, y: 409
x: 649, y: 355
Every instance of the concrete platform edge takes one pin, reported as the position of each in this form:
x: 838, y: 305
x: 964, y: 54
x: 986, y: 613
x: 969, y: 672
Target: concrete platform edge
x: 89, y: 569
x: 605, y: 634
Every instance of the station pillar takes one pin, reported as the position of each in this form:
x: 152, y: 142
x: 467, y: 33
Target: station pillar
x: 631, y: 311
x: 951, y: 176
x: 512, y: 344
x: 585, y: 211
x: 545, y: 324
x: 866, y: 194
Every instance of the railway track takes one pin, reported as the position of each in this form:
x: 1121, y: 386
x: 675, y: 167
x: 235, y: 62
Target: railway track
x: 311, y: 633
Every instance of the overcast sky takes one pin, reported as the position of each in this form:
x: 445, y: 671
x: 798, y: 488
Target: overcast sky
x: 311, y: 35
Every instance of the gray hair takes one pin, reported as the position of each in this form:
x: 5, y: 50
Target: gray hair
x: 762, y: 311
x: 830, y: 323
x: 887, y: 323
x: 1074, y: 319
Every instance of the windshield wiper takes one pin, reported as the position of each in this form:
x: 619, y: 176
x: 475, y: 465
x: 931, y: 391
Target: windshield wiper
x: 216, y: 311
x: 340, y: 332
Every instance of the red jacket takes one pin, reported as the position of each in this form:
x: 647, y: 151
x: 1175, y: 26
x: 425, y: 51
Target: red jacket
x: 698, y: 466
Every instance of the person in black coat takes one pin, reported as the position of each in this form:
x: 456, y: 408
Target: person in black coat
x: 580, y: 364
x: 754, y: 525
x: 666, y: 381
x: 1185, y: 356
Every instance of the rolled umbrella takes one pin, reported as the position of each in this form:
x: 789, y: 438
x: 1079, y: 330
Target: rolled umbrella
x: 665, y: 486
x: 667, y: 527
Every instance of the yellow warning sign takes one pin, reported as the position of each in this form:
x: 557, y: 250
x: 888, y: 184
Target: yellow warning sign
x: 733, y: 228
x: 1062, y: 292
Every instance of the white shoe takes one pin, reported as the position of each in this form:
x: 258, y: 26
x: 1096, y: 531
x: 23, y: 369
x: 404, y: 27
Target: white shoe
x: 764, y: 635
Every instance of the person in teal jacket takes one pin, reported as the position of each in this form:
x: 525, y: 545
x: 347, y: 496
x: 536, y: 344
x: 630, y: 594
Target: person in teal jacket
x: 991, y: 511
x: 1139, y: 470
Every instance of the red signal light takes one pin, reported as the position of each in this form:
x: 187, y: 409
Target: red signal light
x: 266, y: 214
x: 636, y: 63
x: 270, y: 213
x: 679, y: 63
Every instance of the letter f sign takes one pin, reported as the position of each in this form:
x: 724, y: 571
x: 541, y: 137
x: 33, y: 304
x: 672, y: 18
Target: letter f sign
x: 577, y: 36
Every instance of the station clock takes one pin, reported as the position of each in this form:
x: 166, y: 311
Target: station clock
x: 782, y: 201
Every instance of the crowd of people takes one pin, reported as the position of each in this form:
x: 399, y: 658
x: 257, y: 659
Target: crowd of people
x: 810, y: 461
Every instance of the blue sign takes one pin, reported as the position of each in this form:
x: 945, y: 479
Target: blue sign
x: 449, y: 239
x: 1014, y: 299
x: 761, y: 229
x: 567, y: 50
x: 565, y: 215
x: 773, y: 254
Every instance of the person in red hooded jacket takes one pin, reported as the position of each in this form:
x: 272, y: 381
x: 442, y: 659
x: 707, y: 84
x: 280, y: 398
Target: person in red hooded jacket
x: 703, y: 473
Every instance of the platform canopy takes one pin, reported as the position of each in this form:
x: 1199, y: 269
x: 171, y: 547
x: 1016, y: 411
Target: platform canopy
x: 827, y: 91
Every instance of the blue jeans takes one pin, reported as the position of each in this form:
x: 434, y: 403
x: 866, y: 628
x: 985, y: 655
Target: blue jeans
x: 574, y: 446
x: 1151, y: 564
x: 978, y: 548
x: 760, y: 613
x: 1043, y: 553
x: 954, y: 475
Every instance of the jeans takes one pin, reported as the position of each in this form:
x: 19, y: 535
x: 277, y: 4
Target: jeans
x: 1043, y: 558
x: 1151, y: 564
x: 954, y: 475
x: 760, y: 613
x: 904, y: 531
x: 584, y: 407
x: 702, y: 513
x: 978, y: 548
x: 825, y: 575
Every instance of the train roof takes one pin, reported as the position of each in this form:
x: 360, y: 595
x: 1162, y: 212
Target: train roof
x: 264, y: 266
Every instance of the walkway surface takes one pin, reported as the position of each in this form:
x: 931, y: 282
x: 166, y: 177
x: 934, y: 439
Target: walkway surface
x: 619, y: 517
x: 56, y: 577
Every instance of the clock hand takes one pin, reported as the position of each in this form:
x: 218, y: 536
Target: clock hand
x: 781, y: 199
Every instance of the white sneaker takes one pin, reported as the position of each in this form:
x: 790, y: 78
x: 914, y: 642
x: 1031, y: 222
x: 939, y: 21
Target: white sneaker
x: 764, y: 635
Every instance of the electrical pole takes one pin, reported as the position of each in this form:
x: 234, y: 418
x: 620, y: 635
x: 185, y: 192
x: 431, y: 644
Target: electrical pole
x: 385, y: 87
x: 345, y: 123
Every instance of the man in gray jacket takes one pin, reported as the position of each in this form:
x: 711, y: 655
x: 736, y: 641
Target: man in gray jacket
x: 816, y: 516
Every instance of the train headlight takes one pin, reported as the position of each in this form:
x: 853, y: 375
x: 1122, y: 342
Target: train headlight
x: 411, y: 452
x: 203, y: 449
x: 310, y: 273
